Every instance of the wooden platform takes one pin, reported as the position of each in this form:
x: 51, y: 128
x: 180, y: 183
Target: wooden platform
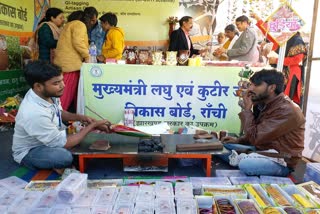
x: 126, y: 148
x: 129, y: 159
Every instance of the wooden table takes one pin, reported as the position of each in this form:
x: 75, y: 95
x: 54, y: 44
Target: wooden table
x: 126, y: 148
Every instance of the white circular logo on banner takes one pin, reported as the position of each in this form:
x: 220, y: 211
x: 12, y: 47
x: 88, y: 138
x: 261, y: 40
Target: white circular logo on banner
x: 96, y: 71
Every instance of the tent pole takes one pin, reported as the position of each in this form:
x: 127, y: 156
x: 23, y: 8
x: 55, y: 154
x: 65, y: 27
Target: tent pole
x: 310, y: 57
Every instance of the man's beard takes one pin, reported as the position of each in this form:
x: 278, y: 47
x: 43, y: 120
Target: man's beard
x: 48, y: 94
x: 261, y: 97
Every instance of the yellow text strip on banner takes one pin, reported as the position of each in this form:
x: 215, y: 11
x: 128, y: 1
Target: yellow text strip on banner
x: 141, y: 20
x: 16, y: 18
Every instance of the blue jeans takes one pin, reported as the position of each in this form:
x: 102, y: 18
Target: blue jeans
x: 256, y: 166
x: 44, y: 157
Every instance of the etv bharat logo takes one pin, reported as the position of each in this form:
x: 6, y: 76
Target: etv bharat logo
x: 96, y: 71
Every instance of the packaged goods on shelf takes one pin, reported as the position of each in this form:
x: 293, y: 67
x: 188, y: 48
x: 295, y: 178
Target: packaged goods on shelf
x: 105, y: 209
x: 125, y: 208
x: 164, y: 205
x: 225, y: 204
x: 229, y: 173
x: 164, y: 189
x: 87, y: 199
x: 280, y: 197
x: 247, y: 206
x: 186, y: 206
x: 197, y: 182
x: 300, y: 198
x: 312, y: 189
x: 244, y: 180
x: 24, y: 203
x: 233, y: 191
x: 275, y: 180
x: 127, y: 193
x: 183, y: 190
x: 257, y: 193
x: 42, y: 185
x: 48, y: 199
x: 312, y: 172
x: 71, y: 188
x: 106, y: 196
x: 13, y: 182
x: 146, y: 193
x: 142, y: 207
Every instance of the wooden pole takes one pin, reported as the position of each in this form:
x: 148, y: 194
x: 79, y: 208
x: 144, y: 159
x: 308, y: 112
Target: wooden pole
x: 282, y: 52
x: 310, y: 57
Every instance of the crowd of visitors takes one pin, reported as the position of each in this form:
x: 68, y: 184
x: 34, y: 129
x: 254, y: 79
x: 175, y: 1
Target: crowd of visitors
x: 270, y: 119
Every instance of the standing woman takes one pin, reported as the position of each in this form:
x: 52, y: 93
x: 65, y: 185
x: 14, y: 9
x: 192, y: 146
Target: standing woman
x: 72, y: 50
x: 232, y: 34
x: 113, y: 46
x: 48, y: 32
x: 293, y: 67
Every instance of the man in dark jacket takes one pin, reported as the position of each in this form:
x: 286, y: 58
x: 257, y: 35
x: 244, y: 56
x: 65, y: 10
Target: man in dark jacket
x: 180, y: 39
x: 270, y: 121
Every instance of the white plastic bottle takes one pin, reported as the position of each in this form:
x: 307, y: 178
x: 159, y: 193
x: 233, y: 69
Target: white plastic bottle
x: 93, y: 53
x: 129, y: 117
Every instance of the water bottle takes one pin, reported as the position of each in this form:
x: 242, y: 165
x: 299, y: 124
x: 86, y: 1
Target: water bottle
x: 93, y: 53
x: 129, y: 117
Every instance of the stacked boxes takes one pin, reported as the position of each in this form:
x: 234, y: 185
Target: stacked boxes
x: 72, y: 187
x: 13, y: 182
x: 312, y: 172
x: 244, y: 180
x: 229, y: 173
x: 275, y: 180
x: 163, y: 196
x: 300, y: 198
x: 197, y: 182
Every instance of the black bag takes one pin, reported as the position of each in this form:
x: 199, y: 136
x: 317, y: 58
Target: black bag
x: 150, y: 145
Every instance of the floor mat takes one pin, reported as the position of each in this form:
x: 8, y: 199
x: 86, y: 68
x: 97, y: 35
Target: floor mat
x: 31, y: 175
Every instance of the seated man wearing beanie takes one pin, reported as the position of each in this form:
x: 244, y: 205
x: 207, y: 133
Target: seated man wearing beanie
x: 40, y: 140
x: 271, y: 121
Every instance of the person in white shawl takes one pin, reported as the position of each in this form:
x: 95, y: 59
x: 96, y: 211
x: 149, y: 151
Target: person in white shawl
x: 45, y: 38
x: 232, y: 34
